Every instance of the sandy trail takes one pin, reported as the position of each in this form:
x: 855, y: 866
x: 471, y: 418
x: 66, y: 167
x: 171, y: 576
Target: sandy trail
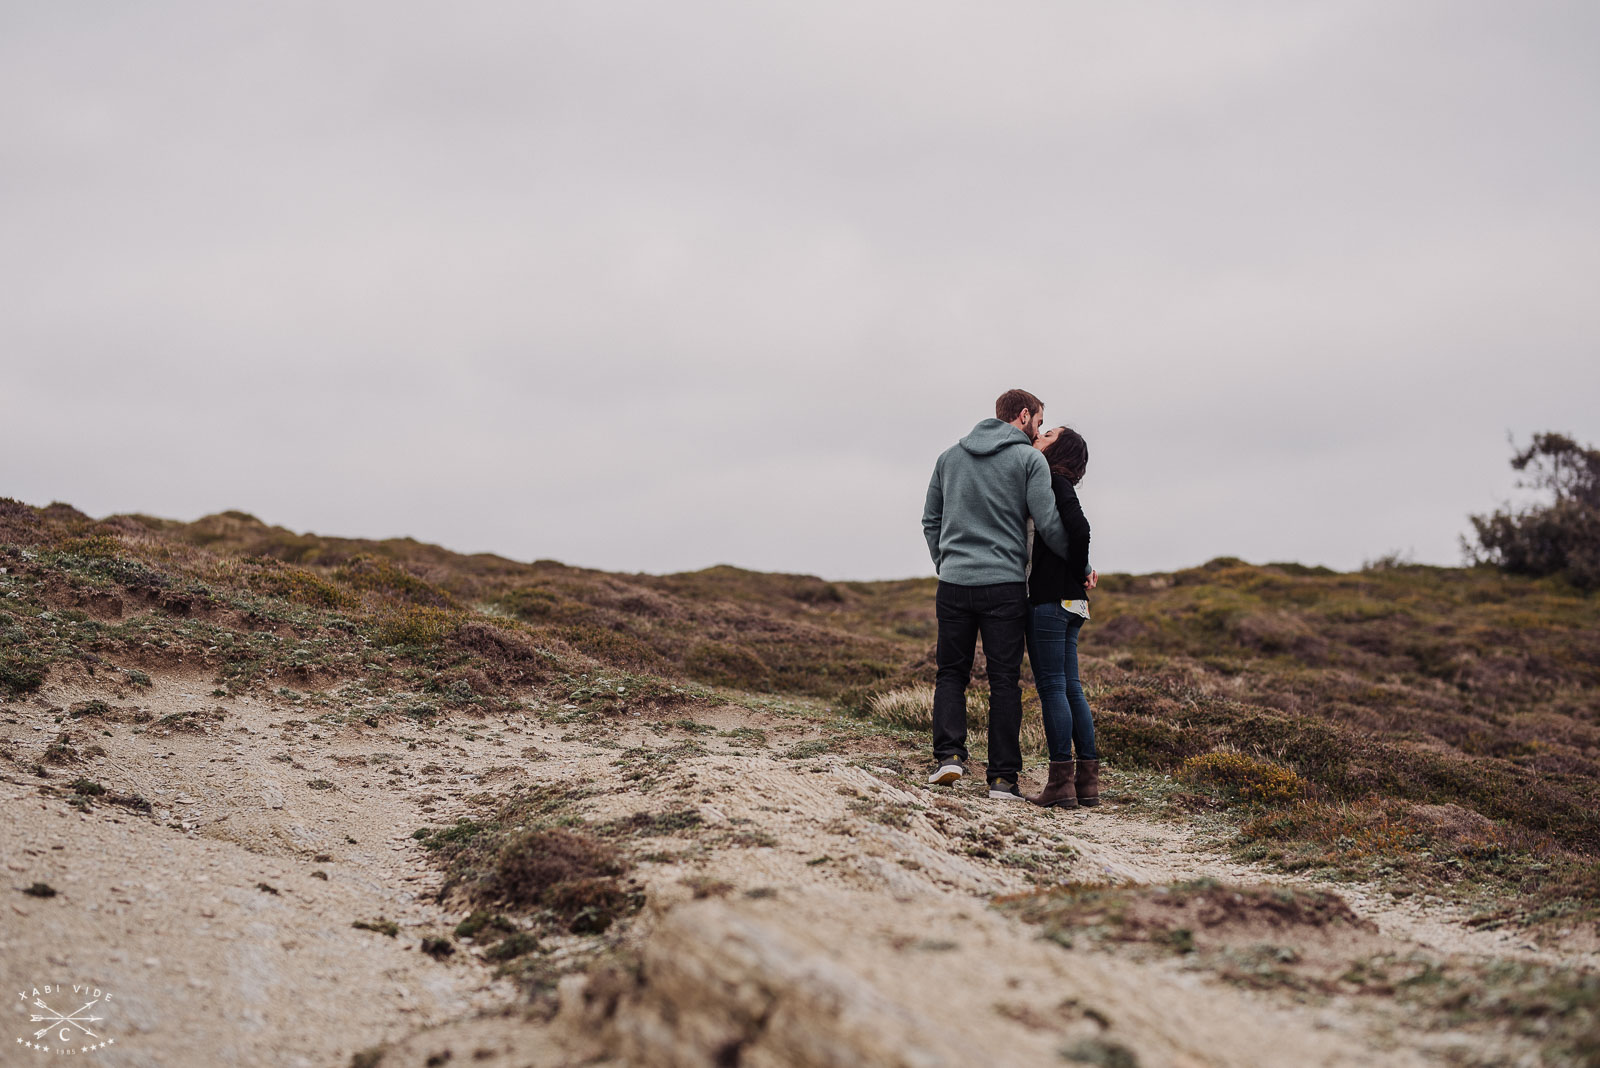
x: 850, y: 921
x: 207, y: 919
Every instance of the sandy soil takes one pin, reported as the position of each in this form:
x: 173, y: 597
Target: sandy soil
x: 829, y: 911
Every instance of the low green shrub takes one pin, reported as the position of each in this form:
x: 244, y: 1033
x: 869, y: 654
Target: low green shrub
x: 416, y: 625
x: 20, y: 673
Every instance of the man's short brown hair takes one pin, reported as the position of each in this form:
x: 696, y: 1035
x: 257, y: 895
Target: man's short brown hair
x: 1013, y: 401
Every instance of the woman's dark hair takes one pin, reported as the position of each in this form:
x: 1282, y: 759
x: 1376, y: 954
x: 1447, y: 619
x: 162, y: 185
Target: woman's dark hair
x: 1068, y: 455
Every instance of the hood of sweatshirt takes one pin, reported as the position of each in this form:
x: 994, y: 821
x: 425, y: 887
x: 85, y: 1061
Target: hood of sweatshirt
x: 991, y: 435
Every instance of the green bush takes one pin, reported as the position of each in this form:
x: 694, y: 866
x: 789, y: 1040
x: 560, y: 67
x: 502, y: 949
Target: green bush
x: 369, y: 574
x: 611, y: 646
x: 98, y: 546
x: 725, y: 665
x: 20, y: 674
x: 417, y: 625
x: 302, y: 586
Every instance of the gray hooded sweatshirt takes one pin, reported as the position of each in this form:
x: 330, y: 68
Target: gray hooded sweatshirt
x: 984, y: 490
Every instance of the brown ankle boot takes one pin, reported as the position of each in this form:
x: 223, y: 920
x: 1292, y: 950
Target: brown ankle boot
x: 1058, y: 791
x: 1088, y: 782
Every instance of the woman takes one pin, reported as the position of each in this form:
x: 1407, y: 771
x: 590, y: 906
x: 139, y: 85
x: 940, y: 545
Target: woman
x: 1058, y: 592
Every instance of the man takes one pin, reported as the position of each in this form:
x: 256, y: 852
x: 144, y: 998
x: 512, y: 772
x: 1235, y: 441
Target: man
x: 984, y: 490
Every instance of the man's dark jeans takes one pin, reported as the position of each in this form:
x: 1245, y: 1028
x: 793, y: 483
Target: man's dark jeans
x: 1000, y: 614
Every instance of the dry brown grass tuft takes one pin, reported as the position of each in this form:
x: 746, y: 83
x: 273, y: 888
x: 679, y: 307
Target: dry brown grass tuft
x: 571, y: 874
x: 911, y: 707
x: 1245, y: 777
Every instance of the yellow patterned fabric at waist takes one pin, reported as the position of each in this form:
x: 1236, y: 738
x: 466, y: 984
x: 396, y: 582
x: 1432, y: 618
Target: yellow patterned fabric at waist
x: 1078, y: 608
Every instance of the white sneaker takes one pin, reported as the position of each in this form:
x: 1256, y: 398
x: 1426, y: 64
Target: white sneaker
x: 948, y: 772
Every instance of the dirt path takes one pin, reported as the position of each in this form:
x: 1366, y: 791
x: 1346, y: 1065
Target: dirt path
x: 826, y: 909
x: 221, y: 921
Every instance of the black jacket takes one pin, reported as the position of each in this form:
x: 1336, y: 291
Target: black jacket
x: 1052, y: 578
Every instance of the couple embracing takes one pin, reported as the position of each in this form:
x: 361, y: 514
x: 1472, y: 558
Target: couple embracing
x: 1011, y: 547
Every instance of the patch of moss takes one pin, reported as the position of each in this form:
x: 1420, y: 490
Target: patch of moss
x: 513, y: 946
x: 483, y: 921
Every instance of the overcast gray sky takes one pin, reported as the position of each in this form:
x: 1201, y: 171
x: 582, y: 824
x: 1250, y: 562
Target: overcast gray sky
x: 653, y: 286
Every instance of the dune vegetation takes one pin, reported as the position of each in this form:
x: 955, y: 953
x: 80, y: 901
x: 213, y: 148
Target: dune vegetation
x: 1402, y: 735
x: 1436, y: 727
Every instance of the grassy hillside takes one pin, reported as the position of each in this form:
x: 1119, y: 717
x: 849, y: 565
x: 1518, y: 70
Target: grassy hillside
x: 1436, y: 728
x: 1435, y: 725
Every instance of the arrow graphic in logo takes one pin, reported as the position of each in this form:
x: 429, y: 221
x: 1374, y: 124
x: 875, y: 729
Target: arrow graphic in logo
x: 74, y: 1018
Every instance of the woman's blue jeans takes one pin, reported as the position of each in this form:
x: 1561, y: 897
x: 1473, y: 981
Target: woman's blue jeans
x: 1052, y: 634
